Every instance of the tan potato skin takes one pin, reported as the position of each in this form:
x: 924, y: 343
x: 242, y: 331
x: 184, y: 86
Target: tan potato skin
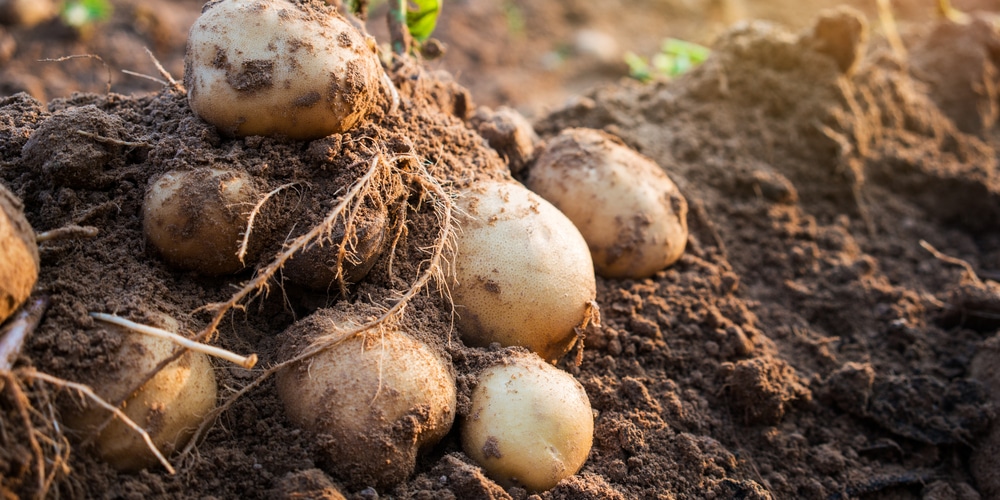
x: 169, y: 407
x: 522, y: 273
x: 18, y: 255
x: 274, y: 68
x: 374, y: 402
x: 196, y: 218
x: 631, y: 214
x: 531, y: 424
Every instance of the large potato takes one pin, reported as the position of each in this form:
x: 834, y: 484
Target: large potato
x: 169, y: 407
x: 631, y: 214
x: 375, y: 401
x: 522, y: 274
x: 279, y: 68
x: 531, y: 424
x: 18, y: 255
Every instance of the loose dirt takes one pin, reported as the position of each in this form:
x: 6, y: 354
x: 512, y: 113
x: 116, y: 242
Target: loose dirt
x: 818, y: 339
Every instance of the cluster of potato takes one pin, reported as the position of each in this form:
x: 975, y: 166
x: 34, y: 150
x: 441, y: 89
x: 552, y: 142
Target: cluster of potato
x: 523, y: 273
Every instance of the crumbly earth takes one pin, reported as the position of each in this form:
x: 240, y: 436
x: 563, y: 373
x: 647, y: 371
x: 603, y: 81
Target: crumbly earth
x: 816, y: 340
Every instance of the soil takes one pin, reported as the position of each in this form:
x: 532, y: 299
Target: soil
x: 830, y: 332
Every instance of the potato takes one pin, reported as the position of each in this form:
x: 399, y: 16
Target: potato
x: 531, y: 424
x: 27, y: 13
x: 279, y: 68
x: 374, y: 401
x: 169, y: 407
x: 316, y: 267
x: 522, y: 274
x: 196, y: 219
x: 631, y: 214
x: 18, y: 255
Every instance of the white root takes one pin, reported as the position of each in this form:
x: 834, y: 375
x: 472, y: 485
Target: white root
x: 242, y: 253
x: 434, y: 270
x: 244, y: 361
x: 90, y: 394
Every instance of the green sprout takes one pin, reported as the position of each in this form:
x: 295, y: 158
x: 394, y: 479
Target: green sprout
x: 82, y: 13
x: 675, y: 57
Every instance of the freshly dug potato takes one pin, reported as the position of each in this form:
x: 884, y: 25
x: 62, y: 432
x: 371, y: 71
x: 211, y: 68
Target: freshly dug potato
x: 18, y: 255
x: 196, y: 219
x: 522, y: 274
x: 531, y: 424
x: 279, y: 68
x: 169, y: 407
x: 631, y: 214
x: 374, y: 401
x: 316, y: 267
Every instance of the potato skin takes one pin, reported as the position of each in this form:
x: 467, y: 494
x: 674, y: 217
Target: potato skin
x: 18, y: 255
x: 631, y: 214
x: 531, y: 424
x: 169, y: 407
x: 277, y: 68
x: 375, y: 401
x: 522, y: 274
x: 196, y: 218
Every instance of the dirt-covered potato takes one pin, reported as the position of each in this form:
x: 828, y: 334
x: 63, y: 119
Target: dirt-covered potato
x: 522, y: 274
x: 18, y: 255
x: 196, y: 219
x: 169, y: 407
x: 374, y: 401
x: 631, y: 214
x: 316, y: 266
x: 279, y: 68
x: 531, y: 424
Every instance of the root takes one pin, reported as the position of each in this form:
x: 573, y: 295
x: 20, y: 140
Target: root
x: 109, y: 140
x: 70, y: 232
x: 433, y: 268
x: 90, y: 394
x: 47, y: 443
x: 245, y: 361
x: 259, y: 283
x: 107, y: 88
x: 168, y: 80
x: 888, y: 22
x: 241, y: 254
x: 952, y: 260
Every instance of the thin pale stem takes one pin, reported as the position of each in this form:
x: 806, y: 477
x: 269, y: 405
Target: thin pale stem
x: 244, y: 361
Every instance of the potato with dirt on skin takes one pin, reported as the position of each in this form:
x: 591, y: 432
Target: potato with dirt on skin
x: 196, y: 219
x: 375, y: 400
x: 531, y: 424
x: 170, y: 406
x: 631, y: 214
x: 19, y: 262
x: 522, y: 274
x: 280, y: 68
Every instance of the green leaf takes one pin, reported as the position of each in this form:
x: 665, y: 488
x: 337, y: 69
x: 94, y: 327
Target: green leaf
x: 638, y: 68
x: 423, y: 19
x: 79, y: 13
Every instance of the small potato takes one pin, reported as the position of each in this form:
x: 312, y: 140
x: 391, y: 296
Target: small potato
x: 279, y: 68
x: 375, y: 401
x: 315, y: 268
x: 18, y: 255
x: 531, y: 424
x: 196, y: 219
x: 631, y: 214
x: 169, y: 407
x: 522, y: 274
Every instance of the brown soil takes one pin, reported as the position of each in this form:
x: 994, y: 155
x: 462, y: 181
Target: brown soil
x: 807, y: 345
